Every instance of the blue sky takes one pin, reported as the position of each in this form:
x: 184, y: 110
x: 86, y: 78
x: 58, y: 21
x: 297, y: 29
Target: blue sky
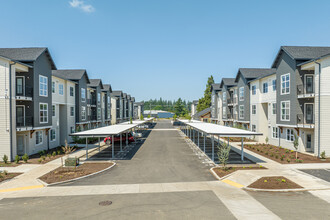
x: 163, y: 48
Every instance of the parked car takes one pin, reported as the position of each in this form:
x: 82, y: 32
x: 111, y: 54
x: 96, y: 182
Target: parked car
x: 117, y: 138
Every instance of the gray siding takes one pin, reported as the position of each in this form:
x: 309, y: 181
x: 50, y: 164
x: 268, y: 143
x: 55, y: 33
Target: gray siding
x: 82, y: 83
x: 246, y: 102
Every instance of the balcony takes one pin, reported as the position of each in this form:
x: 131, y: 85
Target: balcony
x: 304, y: 91
x: 230, y: 101
x: 24, y: 123
x: 92, y: 118
x: 25, y: 94
x: 306, y: 120
x: 91, y: 102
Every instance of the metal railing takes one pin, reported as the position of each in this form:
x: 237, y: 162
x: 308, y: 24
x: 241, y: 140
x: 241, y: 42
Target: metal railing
x: 92, y: 118
x: 229, y: 116
x: 304, y: 119
x: 24, y: 121
x: 303, y: 90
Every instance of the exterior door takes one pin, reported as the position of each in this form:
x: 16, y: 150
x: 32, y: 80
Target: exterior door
x: 309, y: 84
x: 20, y: 145
x: 308, y: 142
x: 309, y: 113
x: 19, y: 86
x: 20, y: 116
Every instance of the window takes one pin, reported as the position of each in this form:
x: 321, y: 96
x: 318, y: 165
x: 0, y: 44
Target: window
x: 285, y: 84
x: 53, y: 87
x: 224, y: 112
x: 53, y: 110
x: 99, y: 113
x: 43, y: 85
x: 254, y: 109
x: 43, y: 112
x: 60, y: 89
x: 39, y: 137
x: 265, y: 87
x: 98, y: 97
x: 274, y: 84
x: 274, y: 132
x: 83, y: 95
x: 241, y: 93
x: 83, y: 112
x: 289, y: 134
x: 254, y: 89
x: 274, y: 111
x: 285, y: 111
x: 71, y: 91
x: 52, y: 135
x: 72, y: 130
x: 241, y: 111
x: 108, y: 100
x: 71, y: 111
x: 224, y: 97
x: 254, y: 128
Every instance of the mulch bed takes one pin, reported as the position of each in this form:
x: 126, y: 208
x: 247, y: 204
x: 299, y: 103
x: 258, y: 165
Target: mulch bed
x: 67, y: 173
x: 238, y: 139
x: 274, y: 182
x: 282, y: 155
x: 2, y: 164
x: 221, y: 172
x: 4, y: 177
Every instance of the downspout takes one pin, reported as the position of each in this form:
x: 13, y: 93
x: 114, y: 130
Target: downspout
x: 10, y: 113
x: 319, y: 113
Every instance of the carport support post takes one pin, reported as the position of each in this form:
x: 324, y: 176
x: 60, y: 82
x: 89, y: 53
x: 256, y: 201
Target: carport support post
x: 228, y: 141
x: 113, y: 146
x: 121, y: 142
x: 213, y: 148
x: 99, y: 144
x: 198, y: 138
x: 194, y: 135
x: 86, y: 149
x: 204, y: 141
x: 242, y: 150
x: 126, y: 138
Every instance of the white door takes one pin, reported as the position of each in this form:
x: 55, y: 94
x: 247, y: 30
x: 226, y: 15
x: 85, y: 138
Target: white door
x: 20, y: 145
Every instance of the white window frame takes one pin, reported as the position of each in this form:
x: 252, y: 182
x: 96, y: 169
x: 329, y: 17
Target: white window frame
x: 83, y: 112
x: 53, y: 110
x: 50, y: 136
x: 274, y: 84
x: 241, y: 112
x: 254, y: 111
x: 41, y: 137
x: 289, y: 135
x: 241, y: 93
x: 71, y: 89
x: 54, y: 87
x: 275, y: 132
x: 274, y: 107
x: 83, y: 94
x: 285, y: 88
x: 254, y: 89
x: 265, y: 87
x: 60, y: 89
x: 99, y: 97
x: 41, y: 121
x: 224, y: 97
x: 224, y: 112
x: 287, y: 110
x: 254, y: 129
x: 71, y: 112
x: 98, y: 113
x: 43, y: 86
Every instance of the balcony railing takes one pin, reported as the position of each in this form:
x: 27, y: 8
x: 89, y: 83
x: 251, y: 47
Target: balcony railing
x: 230, y: 101
x: 304, y: 119
x: 24, y: 121
x: 229, y: 116
x: 91, y: 101
x: 92, y: 118
x: 303, y: 90
x: 27, y: 92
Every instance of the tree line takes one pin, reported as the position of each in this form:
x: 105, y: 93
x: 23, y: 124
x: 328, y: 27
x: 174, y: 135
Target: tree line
x: 179, y: 107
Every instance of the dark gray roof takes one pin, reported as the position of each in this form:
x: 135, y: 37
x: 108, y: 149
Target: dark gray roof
x: 138, y: 103
x: 27, y: 54
x: 95, y: 83
x: 70, y: 74
x: 107, y: 87
x: 253, y: 73
x: 117, y: 93
x: 228, y: 82
x: 124, y: 95
x: 302, y: 52
x: 203, y: 112
x: 132, y: 99
x: 129, y: 97
x: 215, y: 87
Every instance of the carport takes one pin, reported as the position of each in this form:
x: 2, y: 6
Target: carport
x: 193, y: 126
x: 112, y: 130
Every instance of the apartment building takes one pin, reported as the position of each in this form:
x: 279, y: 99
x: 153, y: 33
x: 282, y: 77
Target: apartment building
x: 63, y: 109
x: 228, y: 96
x: 107, y: 103
x: 26, y: 75
x: 125, y: 107
x: 131, y: 108
x: 117, y: 107
x: 138, y: 109
x: 94, y: 103
x: 128, y: 104
x: 194, y: 107
x: 215, y: 103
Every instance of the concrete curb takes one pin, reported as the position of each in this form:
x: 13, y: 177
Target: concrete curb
x: 282, y: 190
x: 216, y: 175
x: 78, y: 178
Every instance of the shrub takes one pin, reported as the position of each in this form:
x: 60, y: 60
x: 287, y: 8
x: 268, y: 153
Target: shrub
x: 54, y: 153
x: 17, y: 158
x: 276, y: 156
x: 267, y: 139
x: 25, y: 158
x: 265, y: 181
x: 323, y: 155
x: 283, y: 180
x: 5, y: 158
x: 287, y: 151
x: 223, y: 154
x: 266, y: 153
x: 272, y: 155
x: 260, y: 166
x: 42, y: 152
x: 288, y: 160
x: 43, y: 157
x: 5, y: 172
x: 58, y: 152
x: 49, y: 156
x: 40, y: 160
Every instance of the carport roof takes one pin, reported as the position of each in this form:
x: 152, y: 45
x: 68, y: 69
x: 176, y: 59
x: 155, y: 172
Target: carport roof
x: 216, y: 129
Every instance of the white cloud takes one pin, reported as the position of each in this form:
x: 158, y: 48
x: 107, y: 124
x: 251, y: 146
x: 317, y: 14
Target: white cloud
x: 82, y: 6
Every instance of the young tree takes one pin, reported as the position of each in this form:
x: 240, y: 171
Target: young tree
x: 205, y: 102
x: 223, y: 154
x: 296, y: 144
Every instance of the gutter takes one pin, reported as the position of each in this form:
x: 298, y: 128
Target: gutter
x: 319, y: 112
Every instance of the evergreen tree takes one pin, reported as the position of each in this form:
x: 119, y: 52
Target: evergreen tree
x: 205, y: 102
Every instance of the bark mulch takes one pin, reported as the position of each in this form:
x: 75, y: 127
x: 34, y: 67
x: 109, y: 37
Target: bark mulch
x: 2, y: 164
x: 224, y: 172
x: 274, y: 182
x: 8, y: 176
x: 238, y: 139
x: 67, y: 173
x: 282, y: 155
